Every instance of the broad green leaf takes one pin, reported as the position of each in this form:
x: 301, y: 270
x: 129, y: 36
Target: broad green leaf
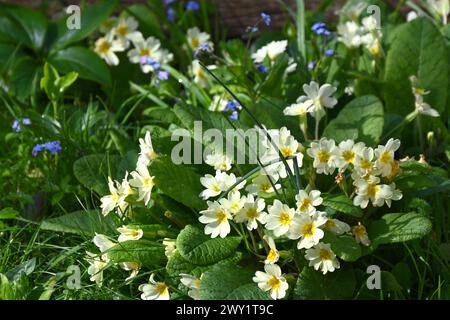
x: 24, y: 78
x: 361, y: 120
x: 177, y: 264
x: 149, y: 254
x: 230, y: 282
x: 85, y: 223
x: 92, y: 171
x: 83, y: 61
x: 344, y: 246
x: 8, y: 53
x: 200, y: 249
x: 91, y: 18
x: 32, y: 23
x: 11, y: 32
x: 399, y: 227
x: 8, y: 213
x: 313, y: 285
x: 419, y: 49
x: 178, y: 182
x: 342, y: 203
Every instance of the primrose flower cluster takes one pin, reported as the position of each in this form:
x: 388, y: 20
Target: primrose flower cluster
x: 119, y: 34
x: 306, y: 222
x: 367, y: 34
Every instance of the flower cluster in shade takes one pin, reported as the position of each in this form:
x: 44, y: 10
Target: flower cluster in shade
x: 232, y: 108
x: 16, y: 124
x: 320, y: 28
x: 54, y: 147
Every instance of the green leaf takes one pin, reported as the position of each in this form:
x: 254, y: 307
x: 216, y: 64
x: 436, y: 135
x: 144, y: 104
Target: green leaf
x: 85, y: 223
x: 148, y: 253
x: 177, y: 264
x: 93, y: 170
x: 11, y: 32
x: 344, y: 246
x: 8, y: 54
x: 8, y: 213
x: 230, y: 282
x: 48, y: 82
x: 24, y: 77
x: 361, y: 120
x: 313, y: 285
x: 32, y: 23
x: 149, y: 23
x: 91, y: 18
x: 178, y: 182
x: 200, y: 249
x: 342, y: 203
x: 419, y: 49
x: 83, y: 61
x: 399, y: 227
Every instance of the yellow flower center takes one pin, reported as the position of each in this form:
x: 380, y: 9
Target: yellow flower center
x: 115, y: 197
x: 134, y: 233
x: 200, y: 74
x: 152, y: 155
x: 235, y: 206
x: 215, y: 187
x: 195, y: 42
x: 305, y: 204
x: 122, y: 30
x: 349, y: 156
x: 385, y: 157
x: 265, y: 187
x: 372, y: 190
x: 148, y: 182
x: 144, y: 52
x: 104, y: 46
x: 252, y: 213
x: 330, y: 224
x: 285, y: 218
x: 308, y: 230
x: 161, y: 288
x: 323, y: 156
x: 272, y: 256
x: 324, y: 254
x: 366, y: 164
x: 374, y: 50
x: 286, y: 152
x: 221, y: 216
x: 419, y: 91
x: 274, y: 283
x: 359, y: 231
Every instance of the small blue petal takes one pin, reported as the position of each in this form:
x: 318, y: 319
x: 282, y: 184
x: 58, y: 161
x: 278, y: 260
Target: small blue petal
x: 163, y: 75
x: 329, y: 52
x: 16, y: 126
x: 171, y: 15
x: 266, y: 18
x: 262, y: 68
x: 311, y: 65
x: 192, y: 5
x: 234, y: 115
x: 26, y: 121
